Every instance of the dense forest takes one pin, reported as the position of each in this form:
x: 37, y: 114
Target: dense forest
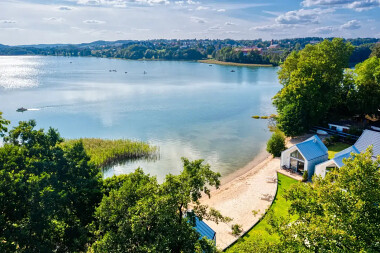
x: 223, y: 50
x: 318, y: 87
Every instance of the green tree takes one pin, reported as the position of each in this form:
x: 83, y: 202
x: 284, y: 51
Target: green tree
x: 3, y: 125
x: 47, y: 194
x: 140, y: 215
x: 376, y: 50
x: 311, y: 79
x: 276, y: 144
x: 367, y: 82
x: 339, y: 213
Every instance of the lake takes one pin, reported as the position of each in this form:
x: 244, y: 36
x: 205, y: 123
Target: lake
x: 188, y: 109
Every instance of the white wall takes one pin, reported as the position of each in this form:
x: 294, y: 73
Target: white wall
x: 320, y: 169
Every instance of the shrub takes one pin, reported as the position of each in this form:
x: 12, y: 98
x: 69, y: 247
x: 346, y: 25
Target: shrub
x: 236, y: 229
x: 276, y: 144
x: 256, y: 117
x: 305, y: 176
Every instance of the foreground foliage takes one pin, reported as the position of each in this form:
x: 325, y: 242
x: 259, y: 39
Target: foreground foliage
x: 139, y: 215
x: 339, y: 213
x: 109, y: 152
x: 53, y: 199
x: 47, y: 194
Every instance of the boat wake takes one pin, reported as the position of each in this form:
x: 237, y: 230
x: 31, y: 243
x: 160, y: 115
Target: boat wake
x: 33, y: 109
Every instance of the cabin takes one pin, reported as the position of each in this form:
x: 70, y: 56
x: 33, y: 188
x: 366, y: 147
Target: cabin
x: 304, y: 156
x: 368, y: 138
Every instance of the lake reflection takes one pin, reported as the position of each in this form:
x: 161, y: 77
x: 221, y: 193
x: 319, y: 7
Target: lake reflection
x: 187, y: 109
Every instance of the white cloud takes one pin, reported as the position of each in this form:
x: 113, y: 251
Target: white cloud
x: 364, y: 5
x: 215, y: 27
x: 93, y: 21
x: 271, y: 27
x: 302, y: 16
x: 54, y: 19
x: 198, y: 20
x: 200, y: 8
x: 64, y: 8
x: 121, y: 3
x: 358, y: 5
x: 7, y: 22
x: 229, y: 23
x: 324, y: 30
x: 351, y: 25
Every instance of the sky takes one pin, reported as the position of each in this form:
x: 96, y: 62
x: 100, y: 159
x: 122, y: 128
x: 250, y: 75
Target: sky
x: 76, y: 21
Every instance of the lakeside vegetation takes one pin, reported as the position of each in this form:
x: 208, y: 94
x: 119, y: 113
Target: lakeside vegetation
x: 53, y: 199
x: 105, y: 153
x: 318, y: 87
x: 223, y: 50
x: 213, y: 61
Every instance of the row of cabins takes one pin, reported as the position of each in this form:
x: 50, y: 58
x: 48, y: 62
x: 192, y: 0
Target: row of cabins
x: 311, y: 155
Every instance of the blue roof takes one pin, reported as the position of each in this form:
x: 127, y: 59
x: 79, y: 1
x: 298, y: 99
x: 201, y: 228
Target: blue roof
x: 312, y: 148
x: 368, y: 138
x: 204, y: 229
x: 346, y: 153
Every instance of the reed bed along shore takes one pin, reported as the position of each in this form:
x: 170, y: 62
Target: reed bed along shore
x: 105, y: 153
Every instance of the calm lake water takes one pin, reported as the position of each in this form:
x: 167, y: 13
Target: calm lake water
x: 186, y: 108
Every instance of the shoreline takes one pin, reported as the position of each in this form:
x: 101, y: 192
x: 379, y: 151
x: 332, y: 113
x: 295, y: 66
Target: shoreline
x: 211, y: 61
x: 261, y: 157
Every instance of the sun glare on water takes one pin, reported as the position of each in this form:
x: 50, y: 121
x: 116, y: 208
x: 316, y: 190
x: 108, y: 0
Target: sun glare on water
x: 19, y: 72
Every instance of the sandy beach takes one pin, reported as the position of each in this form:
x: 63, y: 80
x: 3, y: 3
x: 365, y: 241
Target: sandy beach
x: 250, y: 188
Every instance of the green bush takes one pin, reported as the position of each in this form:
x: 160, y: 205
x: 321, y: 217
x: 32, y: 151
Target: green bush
x: 236, y: 229
x: 305, y: 176
x: 276, y: 144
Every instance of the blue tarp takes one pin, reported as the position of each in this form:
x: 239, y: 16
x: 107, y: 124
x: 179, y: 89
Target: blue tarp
x: 204, y: 229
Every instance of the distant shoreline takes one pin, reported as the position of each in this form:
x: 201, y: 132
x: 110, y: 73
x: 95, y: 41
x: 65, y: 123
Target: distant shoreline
x: 211, y: 61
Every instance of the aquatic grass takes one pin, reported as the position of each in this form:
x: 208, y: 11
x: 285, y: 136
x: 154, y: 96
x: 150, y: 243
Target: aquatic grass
x: 256, y: 117
x: 106, y: 153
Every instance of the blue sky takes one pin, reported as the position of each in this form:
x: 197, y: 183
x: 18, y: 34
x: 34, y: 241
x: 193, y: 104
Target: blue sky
x: 76, y: 21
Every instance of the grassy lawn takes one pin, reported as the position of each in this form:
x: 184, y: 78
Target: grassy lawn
x: 337, y: 147
x: 280, y: 207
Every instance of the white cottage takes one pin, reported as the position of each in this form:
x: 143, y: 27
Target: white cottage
x: 368, y: 138
x: 305, y: 155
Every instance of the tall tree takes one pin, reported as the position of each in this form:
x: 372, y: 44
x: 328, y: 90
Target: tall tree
x: 376, y: 50
x: 140, y: 215
x: 367, y: 82
x: 310, y: 79
x: 47, y: 194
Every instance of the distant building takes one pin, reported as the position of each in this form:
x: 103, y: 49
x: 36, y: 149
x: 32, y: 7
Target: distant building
x: 246, y: 50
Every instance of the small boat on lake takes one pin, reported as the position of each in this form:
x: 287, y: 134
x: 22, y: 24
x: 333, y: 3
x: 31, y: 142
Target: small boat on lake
x: 232, y: 70
x: 21, y: 109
